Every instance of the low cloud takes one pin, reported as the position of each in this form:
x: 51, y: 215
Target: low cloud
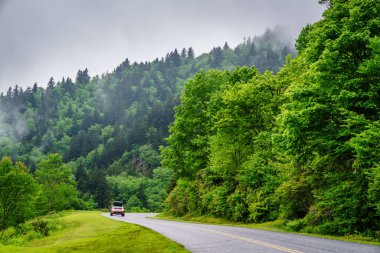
x: 43, y: 38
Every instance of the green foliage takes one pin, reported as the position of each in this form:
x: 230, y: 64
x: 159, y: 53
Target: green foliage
x: 41, y: 226
x: 233, y: 121
x: 133, y: 204
x: 329, y: 120
x: 215, y: 200
x: 301, y: 145
x: 57, y: 185
x: 296, y: 225
x: 302, y: 39
x: 189, y: 132
x: 182, y: 199
x: 373, y: 189
x: 157, y: 189
x: 84, y: 232
x: 115, y: 123
x: 31, y: 230
x: 17, y: 193
x: 142, y: 193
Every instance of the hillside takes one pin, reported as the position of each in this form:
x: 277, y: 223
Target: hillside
x: 109, y: 128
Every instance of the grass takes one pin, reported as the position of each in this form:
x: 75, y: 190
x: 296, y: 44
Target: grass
x: 85, y: 231
x: 275, y: 226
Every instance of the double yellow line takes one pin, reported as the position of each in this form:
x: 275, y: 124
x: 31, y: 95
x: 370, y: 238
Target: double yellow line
x: 273, y: 246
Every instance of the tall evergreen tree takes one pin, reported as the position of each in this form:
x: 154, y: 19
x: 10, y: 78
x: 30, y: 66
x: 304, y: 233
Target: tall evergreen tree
x: 51, y: 84
x: 183, y: 53
x: 190, y: 53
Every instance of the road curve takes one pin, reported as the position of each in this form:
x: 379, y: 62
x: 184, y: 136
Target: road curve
x: 225, y: 239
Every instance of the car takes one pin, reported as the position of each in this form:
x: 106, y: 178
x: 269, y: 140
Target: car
x: 117, y: 208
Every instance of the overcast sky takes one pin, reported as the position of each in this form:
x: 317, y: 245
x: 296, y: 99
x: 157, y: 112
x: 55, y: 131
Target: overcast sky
x: 44, y: 38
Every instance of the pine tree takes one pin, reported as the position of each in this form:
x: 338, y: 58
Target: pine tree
x: 35, y: 87
x: 83, y: 77
x: 217, y: 57
x: 183, y: 53
x: 175, y: 58
x: 226, y: 46
x: 51, y: 84
x: 190, y: 53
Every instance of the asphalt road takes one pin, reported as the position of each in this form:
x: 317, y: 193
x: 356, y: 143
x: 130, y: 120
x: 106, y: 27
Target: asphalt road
x: 223, y: 239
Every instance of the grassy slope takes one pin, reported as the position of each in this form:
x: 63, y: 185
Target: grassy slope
x: 277, y: 226
x: 91, y: 232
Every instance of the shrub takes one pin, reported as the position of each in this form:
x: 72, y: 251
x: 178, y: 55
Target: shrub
x: 215, y: 201
x: 182, y: 199
x: 296, y: 225
x: 41, y: 226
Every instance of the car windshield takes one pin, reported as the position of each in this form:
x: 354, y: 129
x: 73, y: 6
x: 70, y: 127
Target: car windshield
x: 118, y: 203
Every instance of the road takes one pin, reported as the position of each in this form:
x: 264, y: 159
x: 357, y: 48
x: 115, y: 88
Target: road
x: 225, y: 239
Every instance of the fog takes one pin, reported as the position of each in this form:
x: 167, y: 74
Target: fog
x: 44, y: 38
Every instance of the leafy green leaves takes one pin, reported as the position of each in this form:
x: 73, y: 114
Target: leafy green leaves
x: 17, y: 191
x: 57, y: 185
x: 299, y: 145
x: 233, y: 121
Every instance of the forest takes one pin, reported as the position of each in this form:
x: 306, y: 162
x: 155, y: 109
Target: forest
x: 95, y: 139
x: 261, y: 132
x: 299, y: 146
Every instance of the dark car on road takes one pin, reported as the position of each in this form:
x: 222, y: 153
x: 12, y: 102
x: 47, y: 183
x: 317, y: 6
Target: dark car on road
x: 117, y: 208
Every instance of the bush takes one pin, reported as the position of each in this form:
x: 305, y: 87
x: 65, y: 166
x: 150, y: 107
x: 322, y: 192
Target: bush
x: 41, y: 226
x: 329, y: 228
x: 20, y: 234
x: 7, y: 235
x: 258, y: 211
x: 182, y: 199
x: 296, y: 225
x: 34, y: 229
x: 215, y: 201
x: 134, y: 204
x: 295, y: 197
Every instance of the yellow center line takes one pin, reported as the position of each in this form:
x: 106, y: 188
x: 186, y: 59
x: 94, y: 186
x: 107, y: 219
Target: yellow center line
x: 273, y: 246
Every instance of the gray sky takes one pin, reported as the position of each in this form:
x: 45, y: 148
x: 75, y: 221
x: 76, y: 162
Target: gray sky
x: 44, y: 38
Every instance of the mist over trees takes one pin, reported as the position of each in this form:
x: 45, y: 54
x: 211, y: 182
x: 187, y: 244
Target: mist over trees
x: 250, y: 134
x: 100, y: 137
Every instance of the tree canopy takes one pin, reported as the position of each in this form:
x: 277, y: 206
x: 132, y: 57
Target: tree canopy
x: 300, y: 145
x: 111, y: 126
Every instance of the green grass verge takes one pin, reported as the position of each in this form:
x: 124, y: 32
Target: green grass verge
x: 275, y: 226
x: 85, y: 231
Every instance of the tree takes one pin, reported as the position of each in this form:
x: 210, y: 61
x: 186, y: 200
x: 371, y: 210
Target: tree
x: 57, y: 183
x: 137, y: 101
x: 302, y: 40
x: 183, y: 53
x: 190, y: 53
x: 328, y: 3
x: 51, y: 84
x: 188, y: 140
x: 35, y: 87
x: 82, y: 76
x: 226, y: 46
x: 175, y: 58
x: 332, y: 108
x: 98, y: 187
x: 17, y: 193
x: 217, y: 57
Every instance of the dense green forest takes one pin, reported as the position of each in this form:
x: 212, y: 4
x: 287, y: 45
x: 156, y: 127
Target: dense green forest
x: 93, y: 139
x: 255, y: 132
x: 301, y: 145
